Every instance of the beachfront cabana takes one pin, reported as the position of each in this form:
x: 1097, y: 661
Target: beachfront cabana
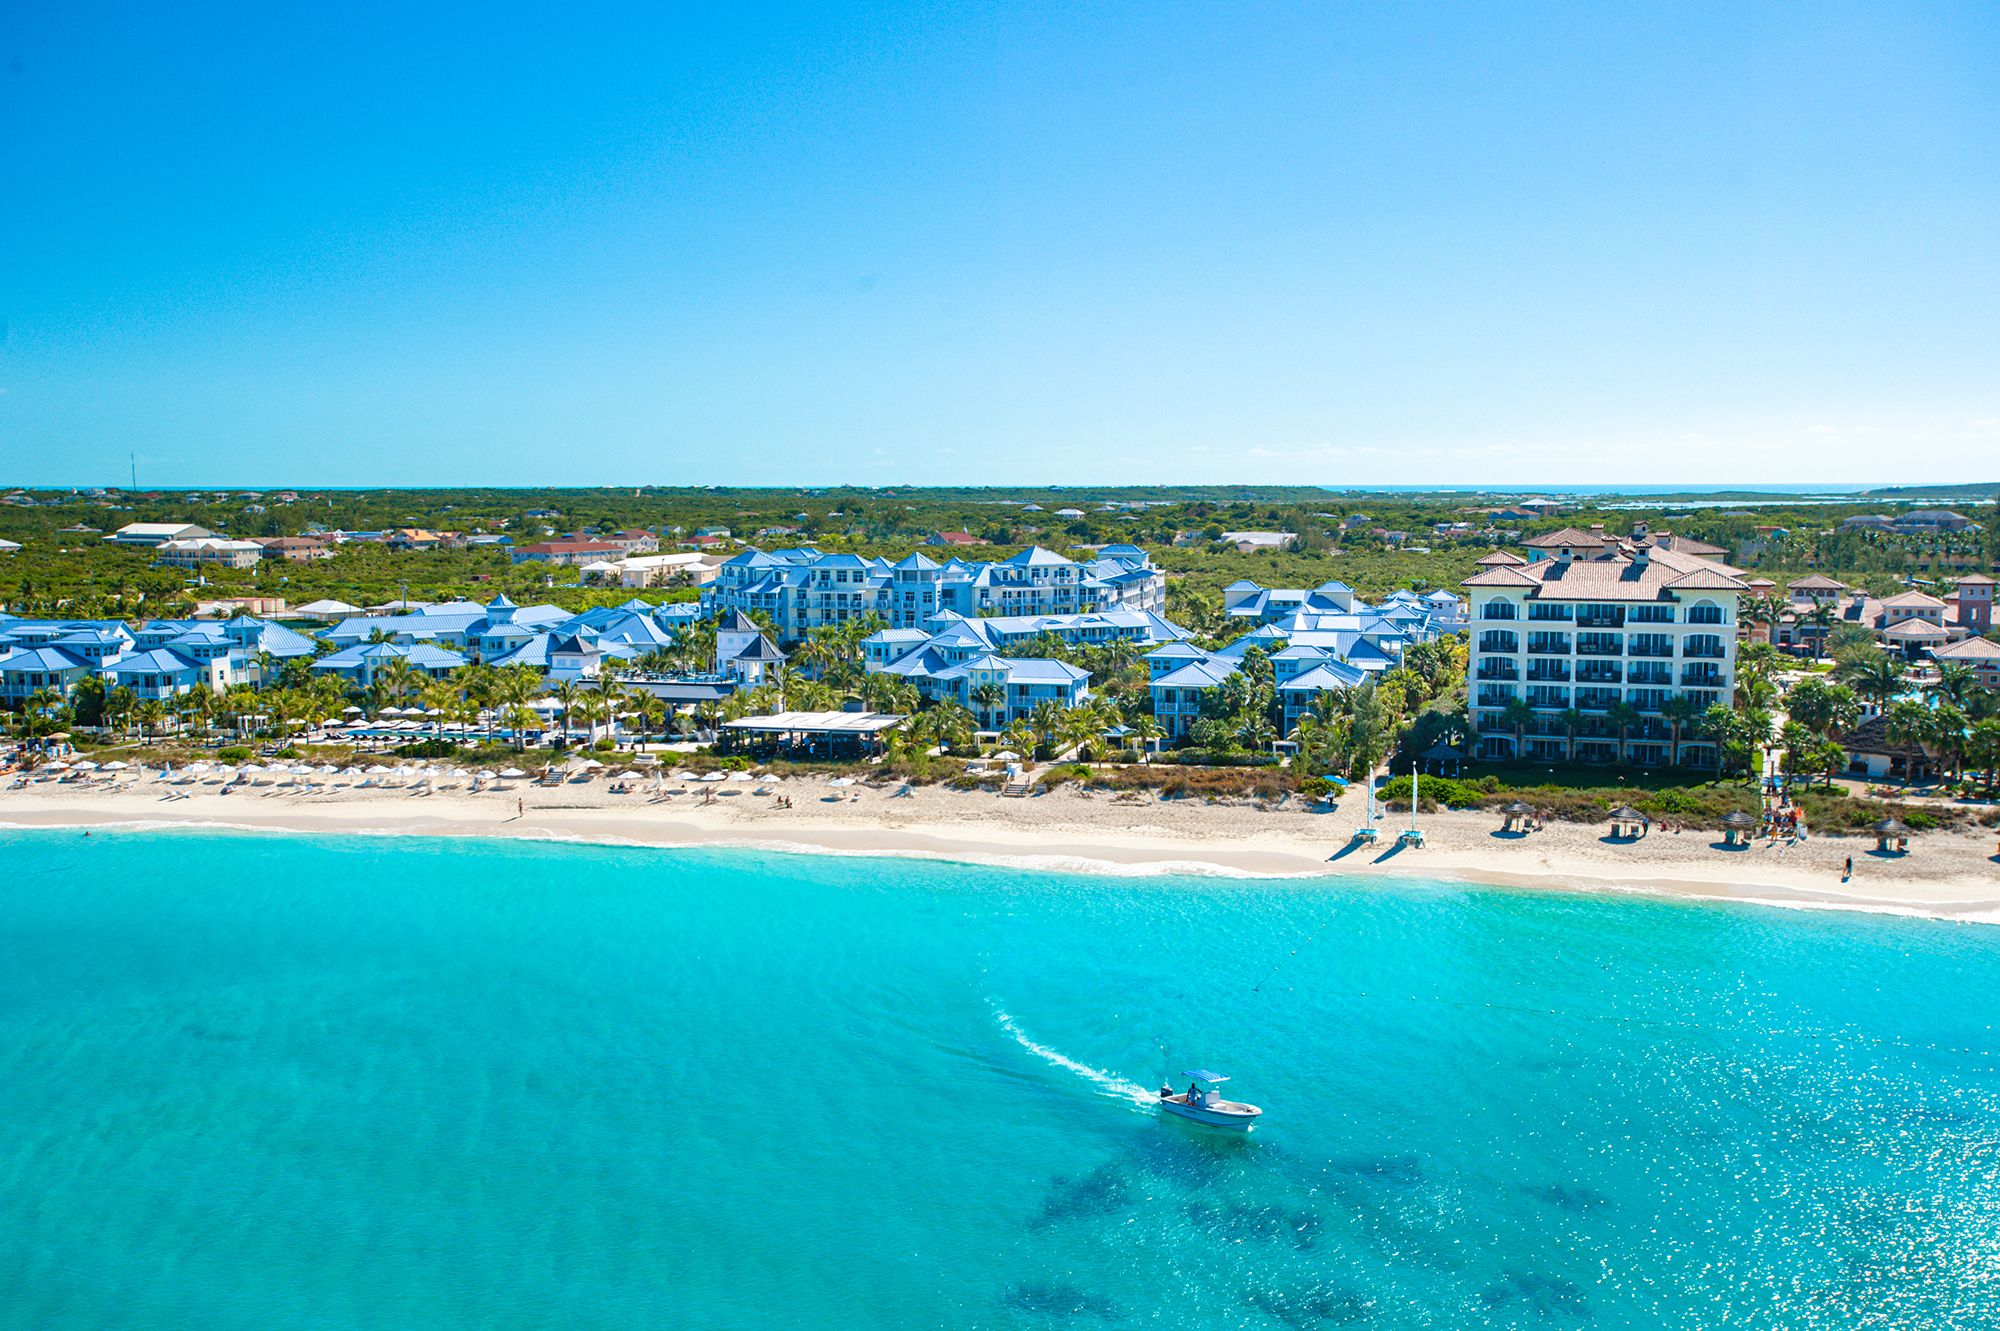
x: 1514, y: 818
x: 1628, y: 822
x: 1737, y: 827
x: 1443, y: 759
x: 1892, y: 837
x: 827, y: 736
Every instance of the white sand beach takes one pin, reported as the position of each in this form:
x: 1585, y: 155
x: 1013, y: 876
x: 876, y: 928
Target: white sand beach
x: 1952, y: 875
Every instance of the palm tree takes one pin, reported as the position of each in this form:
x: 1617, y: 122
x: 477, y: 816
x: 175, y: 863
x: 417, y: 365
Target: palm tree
x: 1572, y: 721
x: 570, y: 694
x: 149, y: 715
x: 1681, y: 713
x: 1623, y: 716
x: 1954, y: 683
x: 1146, y: 729
x: 1043, y: 719
x: 1256, y: 733
x: 1875, y: 676
x: 1800, y: 744
x: 1983, y: 748
x: 1076, y: 727
x: 652, y: 712
x: 953, y: 725
x: 990, y: 697
x: 1517, y: 714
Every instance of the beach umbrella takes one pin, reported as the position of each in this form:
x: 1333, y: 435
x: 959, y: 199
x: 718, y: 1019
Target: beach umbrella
x: 1887, y: 827
x: 116, y: 765
x: 1625, y: 813
x: 841, y: 781
x: 512, y: 773
x: 1738, y: 818
x: 741, y: 776
x: 85, y: 766
x: 377, y: 770
x: 1007, y: 756
x: 713, y: 776
x: 1519, y: 807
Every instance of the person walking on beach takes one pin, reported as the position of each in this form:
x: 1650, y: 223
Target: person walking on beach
x: 1848, y: 872
x: 520, y: 809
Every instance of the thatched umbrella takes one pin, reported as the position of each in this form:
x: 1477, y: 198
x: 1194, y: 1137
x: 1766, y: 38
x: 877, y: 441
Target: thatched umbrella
x: 1627, y: 821
x: 1891, y: 836
x: 1514, y: 813
x: 1737, y: 826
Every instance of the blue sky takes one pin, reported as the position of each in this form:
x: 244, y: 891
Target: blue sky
x: 1328, y: 243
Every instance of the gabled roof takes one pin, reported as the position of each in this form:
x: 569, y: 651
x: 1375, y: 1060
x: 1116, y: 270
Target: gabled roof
x: 917, y: 561
x: 1502, y: 575
x: 1331, y: 675
x: 1034, y: 555
x: 1970, y: 650
x: 43, y: 659
x: 1913, y: 630
x: 1706, y: 580
x: 1203, y: 674
x: 156, y: 662
x: 1913, y: 600
x: 1567, y: 536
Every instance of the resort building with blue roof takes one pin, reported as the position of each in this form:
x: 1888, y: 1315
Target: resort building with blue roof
x: 803, y: 589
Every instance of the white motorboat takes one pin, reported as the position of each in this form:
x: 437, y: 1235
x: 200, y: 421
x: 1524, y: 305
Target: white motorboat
x: 1203, y: 1102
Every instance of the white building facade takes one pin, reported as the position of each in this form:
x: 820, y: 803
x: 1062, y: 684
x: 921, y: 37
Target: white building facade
x: 1596, y: 641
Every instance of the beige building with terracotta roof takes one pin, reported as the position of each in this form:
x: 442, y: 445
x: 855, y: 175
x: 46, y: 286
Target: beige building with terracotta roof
x: 1580, y: 653
x: 1979, y: 655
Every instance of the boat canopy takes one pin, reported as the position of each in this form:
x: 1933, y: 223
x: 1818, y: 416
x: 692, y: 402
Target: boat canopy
x: 1203, y: 1074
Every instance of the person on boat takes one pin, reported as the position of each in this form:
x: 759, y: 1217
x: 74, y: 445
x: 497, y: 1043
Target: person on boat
x: 1194, y: 1093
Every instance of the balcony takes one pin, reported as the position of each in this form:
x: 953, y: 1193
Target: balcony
x: 1597, y: 672
x: 1694, y: 653
x: 1497, y: 610
x: 1548, y: 648
x: 1654, y: 649
x: 1491, y: 669
x: 1701, y: 677
x: 1602, y: 619
x: 1503, y: 644
x: 1600, y: 647
x: 1548, y: 672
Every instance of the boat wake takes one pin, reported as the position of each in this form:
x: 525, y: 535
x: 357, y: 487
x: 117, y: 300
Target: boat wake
x: 1118, y: 1088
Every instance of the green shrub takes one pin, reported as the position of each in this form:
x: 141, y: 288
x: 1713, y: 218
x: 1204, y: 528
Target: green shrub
x: 233, y: 753
x: 1432, y: 791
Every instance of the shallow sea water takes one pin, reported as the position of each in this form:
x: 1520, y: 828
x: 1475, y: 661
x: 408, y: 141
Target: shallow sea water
x: 261, y: 1081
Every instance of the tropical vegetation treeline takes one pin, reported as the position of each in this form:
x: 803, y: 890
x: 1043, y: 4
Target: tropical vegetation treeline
x: 1338, y: 536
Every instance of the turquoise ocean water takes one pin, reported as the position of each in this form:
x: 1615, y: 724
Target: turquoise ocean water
x: 261, y: 1082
